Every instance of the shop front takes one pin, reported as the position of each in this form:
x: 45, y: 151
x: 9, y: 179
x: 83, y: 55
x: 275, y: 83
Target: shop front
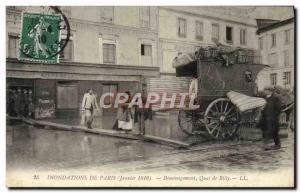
x: 58, y: 89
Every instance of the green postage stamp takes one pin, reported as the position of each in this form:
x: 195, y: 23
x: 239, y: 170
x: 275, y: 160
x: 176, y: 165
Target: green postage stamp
x: 40, y: 37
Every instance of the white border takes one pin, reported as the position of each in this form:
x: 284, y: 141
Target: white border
x: 106, y: 2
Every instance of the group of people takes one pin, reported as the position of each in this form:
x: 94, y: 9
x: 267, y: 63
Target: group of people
x: 126, y: 117
x: 89, y: 107
x: 20, y: 103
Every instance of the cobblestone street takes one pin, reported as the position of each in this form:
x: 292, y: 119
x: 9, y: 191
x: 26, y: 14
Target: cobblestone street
x: 34, y: 148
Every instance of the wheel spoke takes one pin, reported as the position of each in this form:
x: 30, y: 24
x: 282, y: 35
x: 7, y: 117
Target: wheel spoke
x: 221, y: 106
x: 212, y: 123
x: 218, y: 131
x: 229, y: 110
x: 231, y: 115
x: 226, y: 107
x: 215, y: 105
x: 211, y: 132
x: 228, y: 130
x: 214, y: 118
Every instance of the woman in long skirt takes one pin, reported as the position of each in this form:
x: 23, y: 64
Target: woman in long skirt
x: 124, y: 115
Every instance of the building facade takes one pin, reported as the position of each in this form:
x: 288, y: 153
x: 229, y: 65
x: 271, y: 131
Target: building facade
x: 276, y: 43
x: 184, y: 29
x: 110, y: 49
x: 115, y: 49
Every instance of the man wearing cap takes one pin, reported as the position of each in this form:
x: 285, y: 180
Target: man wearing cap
x: 270, y: 119
x: 89, y: 105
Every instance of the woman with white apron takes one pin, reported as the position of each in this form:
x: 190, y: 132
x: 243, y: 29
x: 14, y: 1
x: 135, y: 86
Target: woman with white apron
x: 125, y: 115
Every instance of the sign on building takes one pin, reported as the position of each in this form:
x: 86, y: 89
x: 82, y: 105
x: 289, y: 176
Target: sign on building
x: 40, y: 37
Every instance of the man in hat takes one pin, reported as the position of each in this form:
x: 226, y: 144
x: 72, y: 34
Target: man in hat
x: 89, y: 105
x: 269, y: 122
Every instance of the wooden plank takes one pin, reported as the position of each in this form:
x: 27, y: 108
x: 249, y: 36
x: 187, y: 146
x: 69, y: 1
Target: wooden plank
x: 54, y: 125
x: 166, y: 141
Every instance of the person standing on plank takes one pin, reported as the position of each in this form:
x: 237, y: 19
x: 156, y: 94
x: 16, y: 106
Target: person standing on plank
x: 89, y: 106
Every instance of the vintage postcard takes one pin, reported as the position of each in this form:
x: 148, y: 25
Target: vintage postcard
x: 150, y: 96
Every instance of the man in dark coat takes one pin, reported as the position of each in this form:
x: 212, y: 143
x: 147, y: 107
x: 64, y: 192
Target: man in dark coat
x: 270, y: 119
x: 25, y: 103
x: 17, y: 99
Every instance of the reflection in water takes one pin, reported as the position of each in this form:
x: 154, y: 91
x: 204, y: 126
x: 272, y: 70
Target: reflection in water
x: 165, y: 125
x: 32, y: 148
x: 40, y: 149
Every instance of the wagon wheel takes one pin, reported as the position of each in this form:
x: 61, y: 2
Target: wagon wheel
x: 221, y: 119
x: 189, y: 122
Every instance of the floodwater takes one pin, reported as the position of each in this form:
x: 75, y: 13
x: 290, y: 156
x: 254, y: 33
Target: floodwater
x: 34, y: 148
x: 30, y: 148
x: 162, y: 124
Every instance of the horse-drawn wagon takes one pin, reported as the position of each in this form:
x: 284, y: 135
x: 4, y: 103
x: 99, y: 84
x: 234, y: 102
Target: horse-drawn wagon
x: 224, y: 83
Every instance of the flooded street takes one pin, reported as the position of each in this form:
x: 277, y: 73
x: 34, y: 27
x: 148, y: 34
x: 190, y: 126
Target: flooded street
x: 29, y: 147
x: 36, y: 148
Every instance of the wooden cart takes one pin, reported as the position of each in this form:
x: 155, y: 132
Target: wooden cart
x: 217, y: 70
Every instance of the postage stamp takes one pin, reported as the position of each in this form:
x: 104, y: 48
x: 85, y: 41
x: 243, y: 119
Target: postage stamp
x: 40, y: 37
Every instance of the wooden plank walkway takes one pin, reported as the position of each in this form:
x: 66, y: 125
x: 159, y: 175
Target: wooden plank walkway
x: 106, y: 132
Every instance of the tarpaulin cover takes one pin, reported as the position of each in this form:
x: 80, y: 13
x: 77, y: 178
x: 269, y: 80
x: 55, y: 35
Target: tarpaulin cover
x: 244, y: 102
x: 183, y: 59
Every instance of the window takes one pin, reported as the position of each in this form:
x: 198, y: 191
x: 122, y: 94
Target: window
x: 287, y: 78
x: 182, y: 27
x: 145, y: 17
x: 199, y: 30
x: 109, y: 53
x: 261, y: 43
x: 146, y: 50
x: 13, y: 46
x: 273, y: 78
x: 243, y: 36
x: 229, y: 34
x: 286, y: 58
x: 215, y: 32
x: 273, y: 60
x: 287, y: 36
x: 107, y: 14
x: 146, y: 53
x: 67, y: 96
x: 273, y: 40
x: 67, y: 53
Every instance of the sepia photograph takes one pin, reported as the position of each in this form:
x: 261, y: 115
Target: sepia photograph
x: 150, y: 96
